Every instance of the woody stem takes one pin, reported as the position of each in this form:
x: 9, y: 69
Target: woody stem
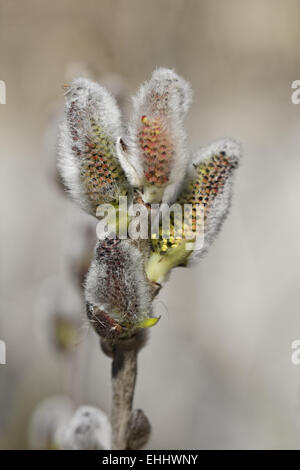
x: 124, y: 371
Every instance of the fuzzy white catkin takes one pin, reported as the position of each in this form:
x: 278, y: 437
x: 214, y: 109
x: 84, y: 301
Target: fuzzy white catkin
x: 93, y: 102
x: 116, y: 282
x: 49, y: 415
x: 89, y: 429
x: 221, y: 205
x: 166, y: 96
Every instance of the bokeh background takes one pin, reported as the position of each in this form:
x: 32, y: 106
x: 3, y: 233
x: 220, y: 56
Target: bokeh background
x: 217, y: 372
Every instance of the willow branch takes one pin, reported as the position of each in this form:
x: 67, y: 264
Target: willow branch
x: 124, y: 371
x: 130, y: 428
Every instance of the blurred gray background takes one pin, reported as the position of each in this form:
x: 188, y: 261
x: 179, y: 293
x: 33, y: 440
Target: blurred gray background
x: 217, y: 371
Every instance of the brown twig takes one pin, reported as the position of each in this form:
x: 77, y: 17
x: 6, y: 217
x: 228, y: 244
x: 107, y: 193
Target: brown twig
x: 124, y: 371
x: 130, y: 429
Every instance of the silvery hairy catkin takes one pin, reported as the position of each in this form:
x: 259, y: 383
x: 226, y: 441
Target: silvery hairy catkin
x: 87, y: 146
x: 155, y: 153
x: 48, y: 417
x: 88, y: 429
x: 118, y: 293
x: 209, y: 185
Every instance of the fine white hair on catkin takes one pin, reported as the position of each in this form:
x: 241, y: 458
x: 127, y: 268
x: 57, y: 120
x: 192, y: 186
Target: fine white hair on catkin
x: 116, y: 282
x: 89, y: 429
x: 159, y: 106
x: 51, y: 414
x: 92, y: 117
x: 221, y: 205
